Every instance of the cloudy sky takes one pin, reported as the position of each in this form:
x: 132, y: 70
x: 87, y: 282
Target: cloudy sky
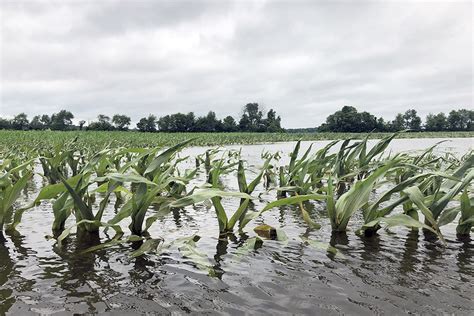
x: 305, y: 59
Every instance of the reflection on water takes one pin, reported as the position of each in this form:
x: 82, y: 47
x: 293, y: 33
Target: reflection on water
x: 393, y: 273
x: 6, y: 273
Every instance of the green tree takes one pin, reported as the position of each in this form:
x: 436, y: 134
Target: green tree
x: 273, y: 122
x: 102, y: 124
x: 147, y: 124
x: 20, y: 122
x: 81, y: 124
x: 251, y: 120
x: 62, y: 120
x: 5, y: 124
x: 208, y: 123
x: 121, y: 122
x: 348, y: 119
x: 411, y: 120
x: 398, y: 123
x: 436, y: 122
x: 178, y: 122
x: 36, y: 123
x: 229, y: 124
x: 46, y: 121
x: 165, y: 123
x: 381, y: 125
x: 182, y: 122
x: 367, y: 123
x: 345, y: 120
x: 461, y: 120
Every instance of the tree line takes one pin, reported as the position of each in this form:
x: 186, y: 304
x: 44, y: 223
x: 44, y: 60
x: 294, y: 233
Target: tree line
x: 348, y: 119
x: 252, y: 120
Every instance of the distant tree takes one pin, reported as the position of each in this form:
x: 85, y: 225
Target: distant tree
x: 348, y: 119
x: 412, y: 120
x: 345, y: 120
x: 147, y: 124
x: 46, y: 121
x: 182, y: 122
x: 20, y: 122
x: 229, y: 124
x: 36, y: 123
x: 102, y: 124
x: 5, y: 124
x: 244, y: 123
x: 251, y: 120
x: 381, y: 125
x: 81, y: 124
x: 398, y: 123
x: 323, y: 128
x: 436, y: 122
x: 178, y: 122
x: 121, y: 122
x: 62, y: 120
x: 461, y: 120
x: 165, y: 123
x: 208, y: 123
x: 367, y: 123
x: 273, y: 122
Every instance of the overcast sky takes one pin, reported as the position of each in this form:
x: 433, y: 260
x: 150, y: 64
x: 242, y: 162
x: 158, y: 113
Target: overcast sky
x: 305, y: 59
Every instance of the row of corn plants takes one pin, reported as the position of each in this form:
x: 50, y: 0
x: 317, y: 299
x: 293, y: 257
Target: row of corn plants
x: 423, y: 191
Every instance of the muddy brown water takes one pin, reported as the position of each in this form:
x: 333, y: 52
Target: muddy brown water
x: 396, y: 272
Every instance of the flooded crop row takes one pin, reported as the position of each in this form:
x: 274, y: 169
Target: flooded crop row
x: 354, y: 227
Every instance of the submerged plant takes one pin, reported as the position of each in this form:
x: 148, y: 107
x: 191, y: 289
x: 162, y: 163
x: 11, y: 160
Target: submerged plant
x: 9, y: 193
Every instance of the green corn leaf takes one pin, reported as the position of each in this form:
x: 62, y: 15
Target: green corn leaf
x: 357, y: 196
x: 238, y: 214
x: 281, y: 202
x: 398, y: 220
x: 125, y: 178
x: 166, y: 155
x: 242, y: 181
x: 201, y: 195
x: 150, y: 245
x: 448, y: 215
x: 467, y: 215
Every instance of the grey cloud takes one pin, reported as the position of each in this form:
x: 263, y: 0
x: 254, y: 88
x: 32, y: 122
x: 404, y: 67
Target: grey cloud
x: 303, y: 58
x: 120, y: 16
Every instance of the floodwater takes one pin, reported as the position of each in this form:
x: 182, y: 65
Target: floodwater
x: 396, y: 272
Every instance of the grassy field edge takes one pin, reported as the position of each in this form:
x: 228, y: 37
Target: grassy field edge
x: 138, y: 139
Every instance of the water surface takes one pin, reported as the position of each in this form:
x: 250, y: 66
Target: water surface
x: 396, y: 272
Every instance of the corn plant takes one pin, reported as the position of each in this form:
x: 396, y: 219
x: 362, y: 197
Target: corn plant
x: 466, y: 221
x: 305, y: 174
x: 10, y: 191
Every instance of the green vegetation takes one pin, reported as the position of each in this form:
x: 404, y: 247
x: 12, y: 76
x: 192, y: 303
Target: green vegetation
x: 82, y: 175
x: 252, y: 120
x: 100, y: 140
x: 346, y: 120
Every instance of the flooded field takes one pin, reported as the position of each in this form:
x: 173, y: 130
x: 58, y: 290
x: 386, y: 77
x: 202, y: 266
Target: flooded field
x: 310, y: 272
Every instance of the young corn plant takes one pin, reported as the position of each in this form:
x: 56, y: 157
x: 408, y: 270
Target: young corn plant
x: 157, y: 185
x: 365, y: 158
x: 435, y: 205
x: 304, y: 175
x: 466, y: 221
x: 218, y: 168
x: 9, y: 193
x: 431, y: 196
x: 341, y: 210
x: 248, y: 188
x: 372, y: 211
